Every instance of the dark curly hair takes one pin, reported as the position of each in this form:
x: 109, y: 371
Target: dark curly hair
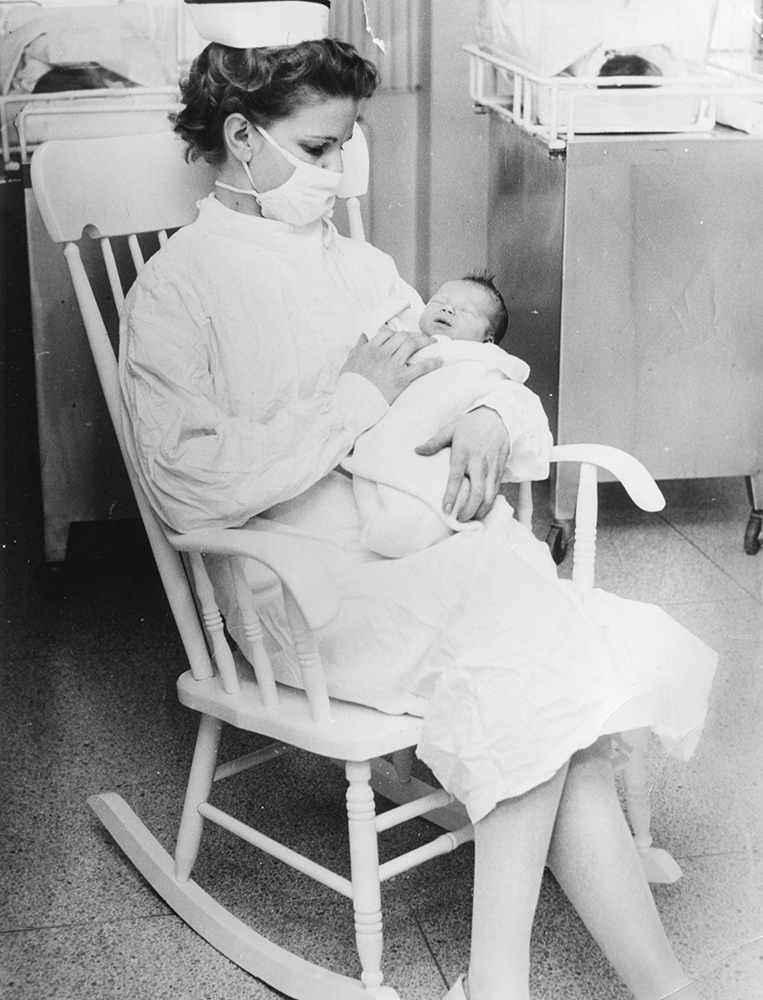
x: 264, y: 85
x: 499, y: 321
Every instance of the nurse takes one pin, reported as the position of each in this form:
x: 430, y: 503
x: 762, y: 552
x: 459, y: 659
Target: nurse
x: 247, y: 376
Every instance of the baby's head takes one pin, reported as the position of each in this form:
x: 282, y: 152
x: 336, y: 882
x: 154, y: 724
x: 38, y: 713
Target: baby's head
x: 628, y: 64
x: 469, y: 308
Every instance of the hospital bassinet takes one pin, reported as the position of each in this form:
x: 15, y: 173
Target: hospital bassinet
x: 77, y: 70
x: 538, y: 62
x: 630, y: 246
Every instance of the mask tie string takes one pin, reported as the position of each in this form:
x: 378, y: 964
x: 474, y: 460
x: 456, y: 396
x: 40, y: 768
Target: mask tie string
x: 236, y: 190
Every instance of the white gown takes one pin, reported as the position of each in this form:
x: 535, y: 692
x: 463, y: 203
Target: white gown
x: 233, y: 339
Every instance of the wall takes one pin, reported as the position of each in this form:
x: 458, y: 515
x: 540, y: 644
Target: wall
x: 428, y: 206
x: 393, y: 125
x: 458, y: 150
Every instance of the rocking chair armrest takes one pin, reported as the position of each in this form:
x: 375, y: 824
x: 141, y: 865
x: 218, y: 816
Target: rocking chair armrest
x: 306, y: 578
x: 636, y: 479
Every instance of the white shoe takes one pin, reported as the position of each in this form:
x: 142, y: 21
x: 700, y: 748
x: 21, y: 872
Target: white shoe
x: 456, y: 992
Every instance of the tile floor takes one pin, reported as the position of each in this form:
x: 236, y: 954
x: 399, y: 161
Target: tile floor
x: 88, y: 705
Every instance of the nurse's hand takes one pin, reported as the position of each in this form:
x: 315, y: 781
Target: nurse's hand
x: 479, y: 444
x: 384, y: 358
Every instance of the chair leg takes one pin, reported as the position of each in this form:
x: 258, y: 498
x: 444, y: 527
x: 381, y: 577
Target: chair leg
x: 364, y: 861
x: 658, y: 864
x: 199, y: 785
x: 403, y: 764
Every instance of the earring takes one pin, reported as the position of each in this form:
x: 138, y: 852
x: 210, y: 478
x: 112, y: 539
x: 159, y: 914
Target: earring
x: 490, y: 339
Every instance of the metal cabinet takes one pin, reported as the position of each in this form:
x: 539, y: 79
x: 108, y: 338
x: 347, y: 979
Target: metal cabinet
x: 632, y: 271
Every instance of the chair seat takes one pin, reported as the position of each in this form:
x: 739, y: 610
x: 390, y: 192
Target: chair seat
x: 354, y: 732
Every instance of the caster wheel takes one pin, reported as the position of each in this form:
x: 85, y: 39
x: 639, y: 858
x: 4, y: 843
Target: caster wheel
x: 557, y: 541
x: 752, y: 534
x: 50, y: 580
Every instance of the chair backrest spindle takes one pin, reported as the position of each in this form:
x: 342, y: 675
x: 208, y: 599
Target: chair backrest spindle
x: 136, y: 252
x: 586, y: 516
x: 113, y: 273
x: 313, y: 675
x: 214, y: 625
x: 355, y: 220
x: 525, y: 504
x: 263, y: 669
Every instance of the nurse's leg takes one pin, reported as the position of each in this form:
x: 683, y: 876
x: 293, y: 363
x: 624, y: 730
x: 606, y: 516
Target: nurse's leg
x: 594, y: 859
x: 511, y: 845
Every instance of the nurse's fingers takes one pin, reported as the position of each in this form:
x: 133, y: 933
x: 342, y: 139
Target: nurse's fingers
x: 388, y: 339
x: 399, y: 343
x: 418, y: 340
x: 465, y: 500
x: 362, y: 341
x: 482, y: 497
x: 469, y: 503
x: 437, y: 442
x: 457, y: 487
x: 492, y: 486
x: 420, y: 368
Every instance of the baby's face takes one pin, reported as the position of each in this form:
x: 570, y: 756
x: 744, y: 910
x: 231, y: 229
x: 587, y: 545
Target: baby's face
x: 460, y: 310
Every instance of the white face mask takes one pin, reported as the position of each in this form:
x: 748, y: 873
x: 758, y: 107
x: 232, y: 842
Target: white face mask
x: 307, y: 195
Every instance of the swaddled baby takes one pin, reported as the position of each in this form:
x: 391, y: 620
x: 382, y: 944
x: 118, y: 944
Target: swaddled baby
x: 400, y: 493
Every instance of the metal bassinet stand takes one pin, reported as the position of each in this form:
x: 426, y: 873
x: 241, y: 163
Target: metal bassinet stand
x: 631, y: 264
x: 81, y: 473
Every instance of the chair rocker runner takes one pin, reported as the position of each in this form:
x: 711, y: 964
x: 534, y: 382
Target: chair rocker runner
x: 149, y: 188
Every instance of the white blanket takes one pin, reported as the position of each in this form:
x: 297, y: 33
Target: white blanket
x: 399, y: 493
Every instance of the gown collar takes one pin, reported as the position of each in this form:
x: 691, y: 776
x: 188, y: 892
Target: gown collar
x: 215, y: 216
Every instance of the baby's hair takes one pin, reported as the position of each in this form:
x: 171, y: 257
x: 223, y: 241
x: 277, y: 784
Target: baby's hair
x: 629, y: 64
x: 499, y: 321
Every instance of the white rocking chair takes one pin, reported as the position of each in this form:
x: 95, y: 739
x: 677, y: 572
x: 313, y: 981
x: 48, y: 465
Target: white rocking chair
x: 124, y: 186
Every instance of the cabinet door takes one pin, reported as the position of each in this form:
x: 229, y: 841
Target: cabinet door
x: 661, y: 349
x: 83, y: 477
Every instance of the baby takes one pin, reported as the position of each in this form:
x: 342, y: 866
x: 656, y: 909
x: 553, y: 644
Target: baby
x: 470, y: 308
x: 645, y: 60
x: 628, y: 64
x: 398, y: 492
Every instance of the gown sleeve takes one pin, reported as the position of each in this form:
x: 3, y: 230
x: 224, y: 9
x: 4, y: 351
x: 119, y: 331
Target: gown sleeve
x: 201, y: 464
x: 527, y: 425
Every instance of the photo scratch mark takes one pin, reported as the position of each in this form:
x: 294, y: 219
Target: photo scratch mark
x: 377, y: 41
x: 753, y: 941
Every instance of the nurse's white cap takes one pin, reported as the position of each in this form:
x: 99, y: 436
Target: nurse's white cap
x: 260, y: 22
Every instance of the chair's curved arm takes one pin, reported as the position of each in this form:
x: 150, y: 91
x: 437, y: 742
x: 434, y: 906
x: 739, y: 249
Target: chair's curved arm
x: 305, y: 577
x: 310, y: 582
x: 636, y: 479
